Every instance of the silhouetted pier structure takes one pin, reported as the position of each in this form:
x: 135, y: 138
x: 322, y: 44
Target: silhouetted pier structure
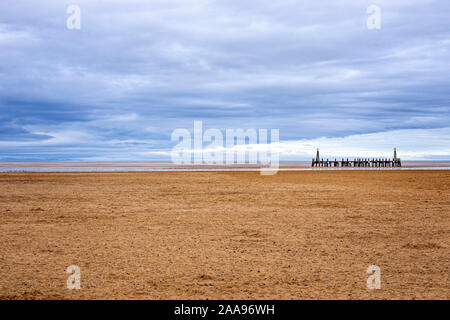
x: 358, y: 162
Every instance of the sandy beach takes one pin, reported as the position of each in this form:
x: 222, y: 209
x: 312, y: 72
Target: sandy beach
x: 225, y: 235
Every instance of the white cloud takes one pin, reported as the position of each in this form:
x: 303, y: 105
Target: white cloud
x: 412, y: 144
x: 416, y: 144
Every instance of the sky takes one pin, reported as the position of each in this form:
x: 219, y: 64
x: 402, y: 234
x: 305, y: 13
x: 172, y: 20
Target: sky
x: 135, y: 71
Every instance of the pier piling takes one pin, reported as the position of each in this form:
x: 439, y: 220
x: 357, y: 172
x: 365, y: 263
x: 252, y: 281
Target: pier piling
x: 358, y: 162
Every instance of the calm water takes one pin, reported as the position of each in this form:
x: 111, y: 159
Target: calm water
x: 70, y: 166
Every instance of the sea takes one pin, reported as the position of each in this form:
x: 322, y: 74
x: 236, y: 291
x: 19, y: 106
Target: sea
x: 143, y: 166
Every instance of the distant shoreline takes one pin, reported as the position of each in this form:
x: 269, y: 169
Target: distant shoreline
x: 35, y: 163
x: 149, y: 166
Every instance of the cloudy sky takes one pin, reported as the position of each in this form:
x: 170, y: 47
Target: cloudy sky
x: 137, y: 70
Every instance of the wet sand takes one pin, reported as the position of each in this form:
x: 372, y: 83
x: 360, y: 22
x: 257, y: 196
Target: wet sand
x: 225, y: 235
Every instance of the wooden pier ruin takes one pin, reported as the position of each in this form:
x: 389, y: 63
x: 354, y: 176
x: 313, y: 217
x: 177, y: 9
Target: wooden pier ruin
x: 358, y: 162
